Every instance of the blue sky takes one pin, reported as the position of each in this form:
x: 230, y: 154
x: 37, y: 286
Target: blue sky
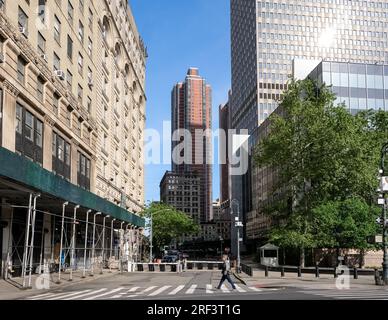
x: 180, y: 34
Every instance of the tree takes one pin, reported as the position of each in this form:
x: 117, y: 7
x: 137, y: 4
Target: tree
x: 168, y: 224
x: 346, y: 224
x: 321, y: 153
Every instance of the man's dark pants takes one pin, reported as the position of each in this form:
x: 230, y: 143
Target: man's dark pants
x: 226, y: 277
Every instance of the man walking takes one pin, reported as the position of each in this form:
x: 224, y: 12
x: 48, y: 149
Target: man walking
x: 226, y: 272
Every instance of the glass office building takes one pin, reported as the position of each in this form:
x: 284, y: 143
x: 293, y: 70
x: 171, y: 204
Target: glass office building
x: 360, y: 86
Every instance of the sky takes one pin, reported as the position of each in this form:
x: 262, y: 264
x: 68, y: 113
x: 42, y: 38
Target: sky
x: 180, y: 34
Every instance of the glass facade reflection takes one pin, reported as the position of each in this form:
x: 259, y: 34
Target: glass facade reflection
x: 360, y: 86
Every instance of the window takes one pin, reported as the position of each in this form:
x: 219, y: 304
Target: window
x: 69, y: 47
x: 21, y: 69
x: 70, y: 12
x: 41, y: 44
x: 80, y: 94
x: 90, y: 47
x: 81, y: 6
x: 55, y: 103
x: 57, y: 62
x: 69, y: 79
x: 80, y: 63
x: 90, y: 19
x: 29, y: 135
x: 40, y: 88
x: 57, y: 30
x: 23, y: 21
x: 83, y: 172
x: 90, y: 76
x: 89, y: 104
x: 61, y: 157
x: 42, y: 9
x: 81, y: 32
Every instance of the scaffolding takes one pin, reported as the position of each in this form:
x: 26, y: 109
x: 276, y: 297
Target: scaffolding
x: 60, y: 243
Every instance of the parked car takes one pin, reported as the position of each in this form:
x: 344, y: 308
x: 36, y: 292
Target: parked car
x: 170, y: 259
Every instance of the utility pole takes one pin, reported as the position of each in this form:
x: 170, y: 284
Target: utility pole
x: 238, y: 225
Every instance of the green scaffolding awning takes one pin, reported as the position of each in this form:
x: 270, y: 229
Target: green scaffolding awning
x: 28, y: 173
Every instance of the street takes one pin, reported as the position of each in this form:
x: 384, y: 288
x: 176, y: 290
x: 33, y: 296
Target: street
x: 198, y: 286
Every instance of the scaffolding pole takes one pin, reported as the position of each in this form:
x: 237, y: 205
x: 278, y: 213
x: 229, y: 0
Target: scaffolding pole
x: 94, y: 244
x: 103, y: 243
x: 32, y: 240
x: 61, y: 243
x: 25, y: 253
x: 86, y: 241
x: 72, y: 264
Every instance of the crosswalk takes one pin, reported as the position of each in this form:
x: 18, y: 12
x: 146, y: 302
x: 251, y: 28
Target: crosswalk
x: 351, y: 294
x: 144, y: 292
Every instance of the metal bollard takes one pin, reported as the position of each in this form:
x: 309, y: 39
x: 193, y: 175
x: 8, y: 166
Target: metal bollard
x: 282, y: 272
x: 335, y: 272
x: 299, y: 272
x: 316, y: 271
x: 355, y: 273
x: 266, y: 271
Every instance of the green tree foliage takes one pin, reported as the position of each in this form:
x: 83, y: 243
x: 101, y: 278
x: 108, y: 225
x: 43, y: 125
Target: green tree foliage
x: 323, y: 155
x: 168, y: 224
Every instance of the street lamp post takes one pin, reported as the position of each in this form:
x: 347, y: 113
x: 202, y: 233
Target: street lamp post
x: 384, y: 191
x: 238, y: 225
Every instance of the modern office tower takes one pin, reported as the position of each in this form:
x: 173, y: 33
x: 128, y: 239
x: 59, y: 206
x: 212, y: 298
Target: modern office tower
x: 72, y: 86
x: 182, y: 191
x: 224, y: 151
x: 191, y: 111
x: 267, y: 35
x: 360, y: 86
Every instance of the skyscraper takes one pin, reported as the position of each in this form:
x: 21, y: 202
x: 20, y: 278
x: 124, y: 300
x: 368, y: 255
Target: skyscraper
x: 191, y: 110
x: 266, y: 36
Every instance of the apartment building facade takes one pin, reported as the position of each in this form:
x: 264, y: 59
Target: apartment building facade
x: 72, y: 82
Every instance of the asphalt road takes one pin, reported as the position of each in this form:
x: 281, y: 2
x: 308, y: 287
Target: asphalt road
x: 195, y: 286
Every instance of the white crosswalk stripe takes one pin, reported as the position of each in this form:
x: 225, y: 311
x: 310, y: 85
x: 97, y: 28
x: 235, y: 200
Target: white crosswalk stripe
x: 159, y: 291
x: 175, y: 291
x: 239, y: 289
x: 224, y: 289
x: 350, y: 294
x: 85, y: 294
x: 167, y: 290
x: 66, y: 295
x: 40, y: 296
x: 104, y: 294
x: 209, y: 289
x: 255, y: 289
x: 192, y: 289
x: 53, y: 295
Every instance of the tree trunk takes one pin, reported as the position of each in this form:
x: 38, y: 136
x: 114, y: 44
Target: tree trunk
x: 302, y: 258
x: 362, y: 258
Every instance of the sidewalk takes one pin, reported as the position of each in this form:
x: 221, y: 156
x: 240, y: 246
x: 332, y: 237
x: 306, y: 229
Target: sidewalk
x: 325, y: 281
x: 11, y: 289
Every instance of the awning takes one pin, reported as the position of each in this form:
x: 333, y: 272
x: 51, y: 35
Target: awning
x: 30, y: 174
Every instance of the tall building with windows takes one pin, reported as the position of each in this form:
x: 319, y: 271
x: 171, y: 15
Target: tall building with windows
x: 266, y: 36
x: 72, y: 107
x: 191, y: 111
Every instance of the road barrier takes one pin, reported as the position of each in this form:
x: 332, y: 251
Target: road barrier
x: 356, y: 272
x: 177, y: 267
x: 247, y: 269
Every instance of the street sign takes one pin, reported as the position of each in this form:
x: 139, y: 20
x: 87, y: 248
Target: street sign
x: 381, y: 201
x: 380, y: 221
x: 375, y: 239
